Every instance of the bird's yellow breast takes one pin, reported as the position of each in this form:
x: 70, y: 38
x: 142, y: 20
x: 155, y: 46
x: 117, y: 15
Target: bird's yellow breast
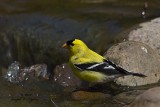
x: 91, y: 76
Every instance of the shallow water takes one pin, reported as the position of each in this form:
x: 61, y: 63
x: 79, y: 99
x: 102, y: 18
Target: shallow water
x: 32, y: 32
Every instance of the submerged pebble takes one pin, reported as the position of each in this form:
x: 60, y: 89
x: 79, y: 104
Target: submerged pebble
x: 84, y: 95
x: 16, y: 74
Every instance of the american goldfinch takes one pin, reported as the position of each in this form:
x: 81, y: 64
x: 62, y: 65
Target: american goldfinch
x: 92, y: 67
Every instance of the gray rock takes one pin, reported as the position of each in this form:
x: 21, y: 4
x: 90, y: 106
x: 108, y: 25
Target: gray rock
x: 147, y: 33
x: 135, y: 57
x: 125, y: 98
x: 64, y: 76
x: 150, y: 98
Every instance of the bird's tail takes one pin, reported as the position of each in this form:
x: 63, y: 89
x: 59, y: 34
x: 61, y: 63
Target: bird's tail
x: 123, y: 71
x: 138, y: 74
x: 131, y: 73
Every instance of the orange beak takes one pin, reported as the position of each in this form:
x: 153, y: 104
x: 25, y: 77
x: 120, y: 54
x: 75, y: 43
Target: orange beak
x: 64, y: 45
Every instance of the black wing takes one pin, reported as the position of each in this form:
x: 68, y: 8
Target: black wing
x: 106, y: 67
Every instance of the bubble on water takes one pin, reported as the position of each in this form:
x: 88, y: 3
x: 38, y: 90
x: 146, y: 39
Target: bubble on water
x: 69, y: 77
x: 63, y: 66
x: 9, y: 95
x: 9, y: 75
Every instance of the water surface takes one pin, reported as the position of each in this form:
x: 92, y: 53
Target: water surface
x: 32, y: 31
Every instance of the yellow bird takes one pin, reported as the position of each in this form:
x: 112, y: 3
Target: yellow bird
x: 92, y: 67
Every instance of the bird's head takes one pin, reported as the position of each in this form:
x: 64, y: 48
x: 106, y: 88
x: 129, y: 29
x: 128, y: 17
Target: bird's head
x: 75, y: 46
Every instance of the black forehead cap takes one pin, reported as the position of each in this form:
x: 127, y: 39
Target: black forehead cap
x: 70, y: 42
